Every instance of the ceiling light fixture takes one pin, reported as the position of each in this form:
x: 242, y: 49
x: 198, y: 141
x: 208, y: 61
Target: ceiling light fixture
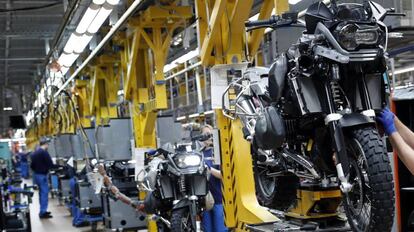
x: 91, y: 21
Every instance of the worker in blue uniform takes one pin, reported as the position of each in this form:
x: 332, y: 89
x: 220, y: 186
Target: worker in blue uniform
x: 213, y: 220
x: 41, y: 164
x: 400, y: 136
x: 24, y: 165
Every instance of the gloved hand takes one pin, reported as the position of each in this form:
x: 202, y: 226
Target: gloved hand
x: 386, y: 117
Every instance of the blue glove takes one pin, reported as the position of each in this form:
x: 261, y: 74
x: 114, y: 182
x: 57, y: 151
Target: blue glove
x: 152, y: 152
x: 386, y: 117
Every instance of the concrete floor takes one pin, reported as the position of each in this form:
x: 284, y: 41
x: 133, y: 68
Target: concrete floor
x: 61, y: 221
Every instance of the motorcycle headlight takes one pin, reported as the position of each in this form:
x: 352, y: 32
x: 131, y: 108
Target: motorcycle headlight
x: 351, y: 36
x: 186, y: 160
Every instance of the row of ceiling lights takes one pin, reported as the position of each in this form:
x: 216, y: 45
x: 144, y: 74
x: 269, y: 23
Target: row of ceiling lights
x: 92, y: 20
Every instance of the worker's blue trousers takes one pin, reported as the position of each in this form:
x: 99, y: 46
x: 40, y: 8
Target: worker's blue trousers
x: 24, y: 166
x: 213, y: 220
x: 42, y: 183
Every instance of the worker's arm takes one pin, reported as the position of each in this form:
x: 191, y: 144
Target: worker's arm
x: 49, y: 161
x: 216, y: 173
x: 406, y: 134
x: 404, y: 151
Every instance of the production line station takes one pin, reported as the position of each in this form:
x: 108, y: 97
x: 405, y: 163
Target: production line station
x: 207, y: 115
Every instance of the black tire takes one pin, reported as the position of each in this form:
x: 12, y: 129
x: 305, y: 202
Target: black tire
x: 29, y: 221
x: 265, y: 186
x: 369, y: 206
x: 274, y: 192
x: 181, y: 221
x: 285, y: 194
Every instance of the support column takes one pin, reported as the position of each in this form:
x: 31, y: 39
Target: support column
x: 200, y: 107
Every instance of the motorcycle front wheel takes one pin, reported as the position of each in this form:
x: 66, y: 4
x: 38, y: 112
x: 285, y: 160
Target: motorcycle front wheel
x: 181, y: 221
x: 369, y: 206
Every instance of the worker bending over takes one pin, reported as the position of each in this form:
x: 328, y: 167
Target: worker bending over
x: 41, y: 164
x: 400, y: 136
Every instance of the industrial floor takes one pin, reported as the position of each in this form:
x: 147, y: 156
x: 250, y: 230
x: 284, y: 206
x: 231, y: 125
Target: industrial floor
x: 61, y: 221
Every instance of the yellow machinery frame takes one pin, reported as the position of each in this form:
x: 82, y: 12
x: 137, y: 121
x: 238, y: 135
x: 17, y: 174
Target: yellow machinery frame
x: 221, y: 30
x: 143, y: 60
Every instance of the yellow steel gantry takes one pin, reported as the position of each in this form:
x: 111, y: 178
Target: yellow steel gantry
x: 143, y: 59
x: 222, y: 39
x: 103, y: 89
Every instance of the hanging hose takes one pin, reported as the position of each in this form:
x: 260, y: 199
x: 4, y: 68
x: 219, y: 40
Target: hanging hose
x: 114, y: 191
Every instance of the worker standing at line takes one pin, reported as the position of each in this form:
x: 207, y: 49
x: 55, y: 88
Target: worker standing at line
x: 213, y: 220
x: 41, y: 164
x: 400, y: 136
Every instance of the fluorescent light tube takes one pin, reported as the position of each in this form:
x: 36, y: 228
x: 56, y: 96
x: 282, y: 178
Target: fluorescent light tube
x: 98, y: 2
x: 87, y: 18
x: 180, y: 118
x: 71, y: 43
x: 403, y: 70
x: 67, y: 59
x: 100, y: 18
x: 113, y: 2
x: 169, y: 67
x: 83, y: 41
x: 294, y: 2
x: 194, y: 115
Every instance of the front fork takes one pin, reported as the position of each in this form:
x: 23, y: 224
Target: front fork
x: 338, y: 142
x: 193, y: 211
x: 341, y: 156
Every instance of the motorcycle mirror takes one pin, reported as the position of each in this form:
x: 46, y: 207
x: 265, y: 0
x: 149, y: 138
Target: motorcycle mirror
x: 377, y: 11
x: 94, y: 162
x: 334, y: 7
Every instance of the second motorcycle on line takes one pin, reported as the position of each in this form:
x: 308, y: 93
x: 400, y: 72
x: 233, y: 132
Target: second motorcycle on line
x: 177, y: 189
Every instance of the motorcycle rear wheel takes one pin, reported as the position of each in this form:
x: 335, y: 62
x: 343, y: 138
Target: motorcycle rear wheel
x: 370, y: 204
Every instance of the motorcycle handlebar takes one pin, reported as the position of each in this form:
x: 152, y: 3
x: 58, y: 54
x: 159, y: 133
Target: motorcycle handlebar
x: 262, y: 23
x: 202, y: 137
x: 275, y: 21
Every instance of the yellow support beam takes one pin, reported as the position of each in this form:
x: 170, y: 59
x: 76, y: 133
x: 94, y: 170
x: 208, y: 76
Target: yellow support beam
x: 81, y: 95
x: 143, y: 66
x: 256, y: 36
x: 221, y: 37
x: 104, y: 90
x: 212, y: 29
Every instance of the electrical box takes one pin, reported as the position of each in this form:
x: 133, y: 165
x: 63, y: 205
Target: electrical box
x: 221, y: 76
x: 5, y: 154
x: 77, y: 146
x: 168, y: 131
x: 86, y: 197
x: 119, y: 216
x: 90, y: 147
x: 114, y: 141
x: 63, y: 146
x: 52, y: 148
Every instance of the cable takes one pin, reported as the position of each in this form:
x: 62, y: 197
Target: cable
x: 80, y: 124
x: 30, y: 8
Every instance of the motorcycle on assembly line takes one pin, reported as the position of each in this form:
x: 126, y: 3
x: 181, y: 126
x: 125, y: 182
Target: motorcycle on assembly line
x: 176, y: 182
x: 311, y: 115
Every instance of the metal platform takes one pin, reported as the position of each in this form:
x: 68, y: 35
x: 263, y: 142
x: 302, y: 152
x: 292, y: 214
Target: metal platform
x: 286, y: 226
